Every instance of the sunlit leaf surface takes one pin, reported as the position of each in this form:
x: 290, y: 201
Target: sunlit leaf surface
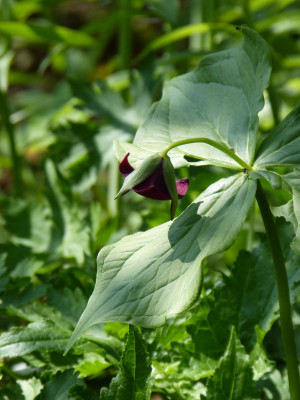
x: 147, y: 276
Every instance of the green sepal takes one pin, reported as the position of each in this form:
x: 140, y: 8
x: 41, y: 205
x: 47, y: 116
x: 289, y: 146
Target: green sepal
x: 169, y: 177
x: 140, y: 174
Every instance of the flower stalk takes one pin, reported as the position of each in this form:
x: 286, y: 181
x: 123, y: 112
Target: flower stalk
x: 213, y: 143
x: 287, y: 330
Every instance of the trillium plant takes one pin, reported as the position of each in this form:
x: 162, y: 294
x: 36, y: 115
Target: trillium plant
x: 210, y: 116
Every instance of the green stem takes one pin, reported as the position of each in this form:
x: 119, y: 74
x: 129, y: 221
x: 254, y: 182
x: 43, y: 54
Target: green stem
x: 287, y: 331
x: 5, y: 115
x: 212, y: 143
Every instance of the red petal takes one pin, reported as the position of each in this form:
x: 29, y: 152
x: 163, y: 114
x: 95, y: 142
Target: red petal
x: 182, y: 187
x: 152, y: 192
x: 154, y: 187
x: 125, y: 168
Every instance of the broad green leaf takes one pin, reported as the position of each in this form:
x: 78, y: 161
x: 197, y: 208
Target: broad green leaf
x: 147, y: 276
x: 219, y: 100
x: 233, y: 379
x: 282, y: 146
x: 40, y: 33
x: 291, y: 210
x: 39, y: 335
x: 133, y: 381
x: 31, y: 388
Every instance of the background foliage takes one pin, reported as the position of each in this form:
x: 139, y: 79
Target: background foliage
x: 74, y: 76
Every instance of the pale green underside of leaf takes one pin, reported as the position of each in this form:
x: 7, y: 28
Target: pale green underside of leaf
x: 147, y: 276
x: 282, y: 147
x: 133, y: 381
x: 291, y: 210
x: 218, y: 100
x: 233, y: 379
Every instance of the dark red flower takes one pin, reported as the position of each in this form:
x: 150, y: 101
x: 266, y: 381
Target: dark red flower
x: 154, y: 186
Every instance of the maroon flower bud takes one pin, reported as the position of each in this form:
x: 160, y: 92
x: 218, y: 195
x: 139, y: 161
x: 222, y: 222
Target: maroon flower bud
x: 157, y: 180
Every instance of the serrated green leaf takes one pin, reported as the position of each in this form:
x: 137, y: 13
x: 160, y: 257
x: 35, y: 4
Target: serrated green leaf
x: 70, y: 234
x: 39, y: 335
x: 133, y: 381
x: 219, y: 100
x: 92, y: 365
x: 147, y: 276
x: 233, y: 379
x: 181, y: 382
x: 69, y: 302
x: 27, y: 292
x: 261, y: 364
x: 282, y: 146
x: 247, y: 300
